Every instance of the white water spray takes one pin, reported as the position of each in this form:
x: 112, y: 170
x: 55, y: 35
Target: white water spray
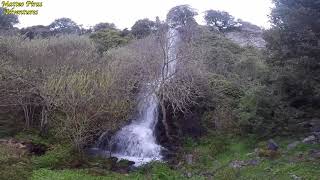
x: 136, y: 141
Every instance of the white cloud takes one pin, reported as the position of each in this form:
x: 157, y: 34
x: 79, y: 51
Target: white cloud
x: 125, y: 12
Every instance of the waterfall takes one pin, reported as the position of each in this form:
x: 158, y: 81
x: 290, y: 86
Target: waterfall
x: 136, y: 141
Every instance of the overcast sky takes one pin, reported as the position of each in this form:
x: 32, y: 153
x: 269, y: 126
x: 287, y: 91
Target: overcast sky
x: 123, y: 13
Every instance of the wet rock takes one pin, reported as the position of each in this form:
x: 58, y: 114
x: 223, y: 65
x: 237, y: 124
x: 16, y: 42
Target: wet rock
x: 168, y: 155
x: 103, y: 163
x: 123, y: 166
x: 112, y: 161
x: 309, y: 140
x: 293, y: 145
x: 189, y: 158
x: 272, y: 145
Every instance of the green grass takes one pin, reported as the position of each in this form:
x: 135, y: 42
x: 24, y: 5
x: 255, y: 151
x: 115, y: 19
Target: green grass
x: 156, y: 171
x: 287, y: 166
x: 13, y: 164
x: 211, y: 158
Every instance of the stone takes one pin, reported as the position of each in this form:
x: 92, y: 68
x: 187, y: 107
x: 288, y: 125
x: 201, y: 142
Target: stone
x: 272, y: 145
x: 309, y: 140
x: 189, y: 159
x: 315, y: 154
x: 293, y: 145
x: 253, y: 162
x: 237, y: 164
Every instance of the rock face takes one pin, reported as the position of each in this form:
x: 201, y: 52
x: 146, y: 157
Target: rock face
x: 247, y: 35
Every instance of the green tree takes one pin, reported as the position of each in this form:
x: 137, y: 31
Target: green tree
x: 108, y: 39
x: 142, y: 28
x: 36, y: 31
x: 221, y: 20
x: 7, y: 21
x: 103, y: 26
x: 181, y: 15
x: 293, y: 45
x: 64, y: 26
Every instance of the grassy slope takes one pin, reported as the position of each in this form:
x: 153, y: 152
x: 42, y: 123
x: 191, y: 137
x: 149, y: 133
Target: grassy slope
x: 211, y: 159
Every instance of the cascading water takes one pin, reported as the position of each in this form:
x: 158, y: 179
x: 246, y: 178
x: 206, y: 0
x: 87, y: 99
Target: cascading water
x: 136, y: 141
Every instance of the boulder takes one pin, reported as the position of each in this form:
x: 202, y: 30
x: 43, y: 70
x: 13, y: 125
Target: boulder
x: 236, y: 164
x: 310, y: 139
x: 293, y: 145
x: 272, y: 145
x: 252, y: 162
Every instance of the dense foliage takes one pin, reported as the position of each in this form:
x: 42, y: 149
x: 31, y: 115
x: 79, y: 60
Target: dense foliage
x: 293, y: 48
x: 71, y: 84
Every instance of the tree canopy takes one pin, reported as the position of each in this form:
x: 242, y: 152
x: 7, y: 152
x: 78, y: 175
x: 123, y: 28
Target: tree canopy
x: 181, y: 15
x: 143, y: 28
x: 103, y: 26
x: 64, y: 26
x: 108, y: 39
x: 7, y: 21
x: 293, y: 45
x: 220, y: 20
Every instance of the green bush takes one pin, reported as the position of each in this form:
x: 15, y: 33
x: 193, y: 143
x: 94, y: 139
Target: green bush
x: 57, y: 156
x: 33, y: 135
